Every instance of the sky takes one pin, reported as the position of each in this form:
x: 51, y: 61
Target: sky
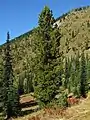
x: 20, y: 16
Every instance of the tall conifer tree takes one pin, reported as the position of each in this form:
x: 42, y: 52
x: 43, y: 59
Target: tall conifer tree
x: 1, y: 82
x: 10, y: 95
x: 83, y: 77
x: 67, y: 73
x: 46, y: 81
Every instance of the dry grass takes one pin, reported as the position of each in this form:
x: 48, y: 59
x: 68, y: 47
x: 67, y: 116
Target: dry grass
x: 26, y: 98
x: 78, y: 112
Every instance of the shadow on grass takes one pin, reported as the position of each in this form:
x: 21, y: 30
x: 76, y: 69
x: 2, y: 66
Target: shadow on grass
x: 26, y: 112
x: 28, y: 104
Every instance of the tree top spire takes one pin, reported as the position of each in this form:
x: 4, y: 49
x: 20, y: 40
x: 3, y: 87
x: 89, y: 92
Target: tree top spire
x: 8, y: 36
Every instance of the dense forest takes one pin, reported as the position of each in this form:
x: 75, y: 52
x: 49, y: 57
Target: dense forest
x: 52, y: 60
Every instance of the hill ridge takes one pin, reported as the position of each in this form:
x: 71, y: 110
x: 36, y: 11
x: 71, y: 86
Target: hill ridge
x: 57, y: 19
x: 75, y: 35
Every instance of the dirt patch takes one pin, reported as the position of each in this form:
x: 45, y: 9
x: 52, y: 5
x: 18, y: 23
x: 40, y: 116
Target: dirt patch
x: 25, y: 99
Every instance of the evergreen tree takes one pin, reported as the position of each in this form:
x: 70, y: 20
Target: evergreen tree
x: 77, y: 75
x: 88, y: 68
x: 71, y: 82
x: 29, y: 82
x: 1, y: 83
x: 83, y: 77
x: 25, y: 84
x: 10, y: 94
x: 67, y: 73
x: 88, y: 73
x: 20, y: 85
x: 47, y: 75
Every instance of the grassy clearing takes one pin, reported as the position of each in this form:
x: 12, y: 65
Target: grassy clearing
x: 80, y: 111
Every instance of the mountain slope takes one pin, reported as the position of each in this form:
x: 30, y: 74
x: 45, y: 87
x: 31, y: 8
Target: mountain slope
x: 75, y: 30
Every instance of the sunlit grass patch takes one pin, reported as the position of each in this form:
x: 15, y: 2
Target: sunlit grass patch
x: 88, y: 94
